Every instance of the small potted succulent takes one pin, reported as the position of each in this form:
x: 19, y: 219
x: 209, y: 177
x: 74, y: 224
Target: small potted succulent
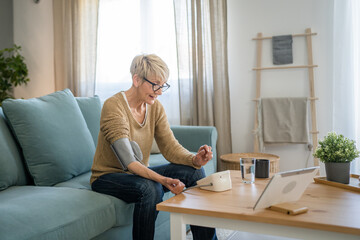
x: 337, y: 151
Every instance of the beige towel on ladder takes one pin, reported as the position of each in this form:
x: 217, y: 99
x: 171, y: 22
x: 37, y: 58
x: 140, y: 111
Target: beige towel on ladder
x: 284, y: 120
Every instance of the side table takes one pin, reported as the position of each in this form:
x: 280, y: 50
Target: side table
x: 231, y: 161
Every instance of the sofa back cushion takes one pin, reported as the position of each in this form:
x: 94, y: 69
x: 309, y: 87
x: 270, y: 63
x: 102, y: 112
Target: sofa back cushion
x: 56, y: 142
x: 91, y: 109
x: 12, y: 171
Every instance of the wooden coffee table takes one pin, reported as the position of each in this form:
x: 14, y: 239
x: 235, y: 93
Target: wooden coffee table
x: 334, y: 213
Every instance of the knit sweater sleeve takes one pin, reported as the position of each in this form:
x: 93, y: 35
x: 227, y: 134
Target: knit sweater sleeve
x: 114, y: 122
x: 170, y: 148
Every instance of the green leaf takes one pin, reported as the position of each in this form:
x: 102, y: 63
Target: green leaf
x: 336, y: 148
x: 13, y: 71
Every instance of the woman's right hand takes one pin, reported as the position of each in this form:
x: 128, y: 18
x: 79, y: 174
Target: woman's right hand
x: 174, y: 185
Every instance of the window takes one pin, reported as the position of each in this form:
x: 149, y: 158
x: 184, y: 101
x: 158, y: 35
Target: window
x: 346, y: 72
x: 127, y: 28
x: 356, y: 75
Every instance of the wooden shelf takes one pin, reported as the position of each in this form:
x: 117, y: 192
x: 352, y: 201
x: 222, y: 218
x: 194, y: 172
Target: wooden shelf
x: 284, y: 67
x: 294, y: 35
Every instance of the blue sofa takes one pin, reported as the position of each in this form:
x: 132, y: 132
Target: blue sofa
x: 45, y: 191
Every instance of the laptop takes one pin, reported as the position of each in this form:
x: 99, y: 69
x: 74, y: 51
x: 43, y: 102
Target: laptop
x: 285, y: 187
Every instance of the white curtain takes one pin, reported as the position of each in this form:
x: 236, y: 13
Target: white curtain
x: 346, y: 72
x: 127, y: 28
x: 201, y: 31
x: 75, y: 35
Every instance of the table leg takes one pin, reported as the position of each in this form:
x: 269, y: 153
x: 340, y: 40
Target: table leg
x: 177, y: 227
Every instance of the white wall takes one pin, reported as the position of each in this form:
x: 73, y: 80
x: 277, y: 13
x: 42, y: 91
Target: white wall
x: 278, y: 17
x: 33, y: 31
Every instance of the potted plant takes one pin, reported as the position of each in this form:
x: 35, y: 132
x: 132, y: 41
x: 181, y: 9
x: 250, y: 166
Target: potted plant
x: 337, y: 151
x: 13, y: 71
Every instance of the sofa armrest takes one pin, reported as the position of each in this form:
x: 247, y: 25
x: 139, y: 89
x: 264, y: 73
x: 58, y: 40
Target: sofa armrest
x: 193, y: 137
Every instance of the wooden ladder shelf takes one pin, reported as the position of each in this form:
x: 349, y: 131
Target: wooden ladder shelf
x: 312, y: 98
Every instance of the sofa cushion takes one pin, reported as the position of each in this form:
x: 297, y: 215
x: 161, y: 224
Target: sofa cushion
x: 91, y: 110
x: 31, y: 212
x: 12, y: 171
x: 123, y: 210
x: 56, y: 142
x: 157, y: 159
x: 81, y: 182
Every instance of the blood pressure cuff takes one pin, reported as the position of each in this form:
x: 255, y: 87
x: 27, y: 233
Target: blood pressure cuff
x: 126, y: 152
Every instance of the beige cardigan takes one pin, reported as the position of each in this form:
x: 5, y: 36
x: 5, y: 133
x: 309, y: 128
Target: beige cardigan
x: 118, y: 122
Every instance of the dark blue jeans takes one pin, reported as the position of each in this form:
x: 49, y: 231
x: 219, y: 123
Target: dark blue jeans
x: 146, y: 194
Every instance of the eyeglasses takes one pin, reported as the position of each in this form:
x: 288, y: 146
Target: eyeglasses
x: 156, y: 87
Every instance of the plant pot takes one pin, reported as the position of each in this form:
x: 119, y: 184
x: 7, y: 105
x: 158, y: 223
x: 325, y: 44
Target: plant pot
x: 338, y: 172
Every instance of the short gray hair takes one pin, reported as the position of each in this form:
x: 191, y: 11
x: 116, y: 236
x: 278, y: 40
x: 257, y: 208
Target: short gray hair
x: 149, y: 64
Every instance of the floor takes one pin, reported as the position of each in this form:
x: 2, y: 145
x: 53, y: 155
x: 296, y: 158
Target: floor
x: 222, y: 234
x: 225, y: 234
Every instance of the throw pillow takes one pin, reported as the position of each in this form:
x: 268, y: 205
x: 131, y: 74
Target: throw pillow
x: 52, y: 132
x: 91, y: 110
x: 12, y: 171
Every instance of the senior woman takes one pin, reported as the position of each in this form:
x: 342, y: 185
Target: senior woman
x: 129, y: 122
